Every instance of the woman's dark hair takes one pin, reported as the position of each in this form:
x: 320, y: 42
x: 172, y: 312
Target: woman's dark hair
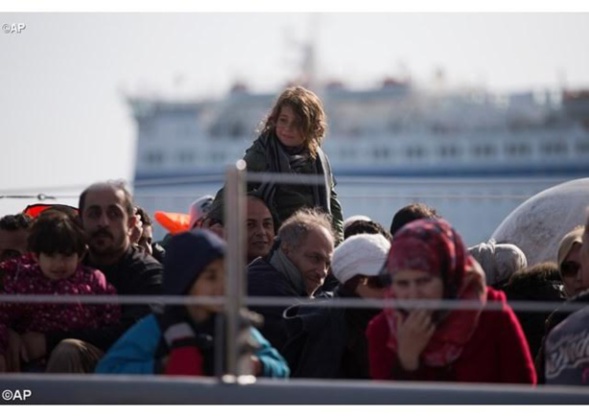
x: 410, y: 213
x: 13, y: 222
x: 56, y: 231
x: 145, y: 219
x: 365, y: 226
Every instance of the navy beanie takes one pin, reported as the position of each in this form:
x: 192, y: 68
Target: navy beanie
x: 187, y: 255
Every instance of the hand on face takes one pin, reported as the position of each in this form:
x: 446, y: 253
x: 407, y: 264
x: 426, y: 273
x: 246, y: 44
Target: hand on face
x: 413, y: 334
x: 137, y: 229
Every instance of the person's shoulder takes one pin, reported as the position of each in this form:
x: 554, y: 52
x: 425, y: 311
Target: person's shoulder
x: 138, y: 265
x: 138, y: 259
x: 144, y: 333
x: 255, y: 156
x: 577, y: 321
x: 561, y: 313
x: 88, y: 273
x: 316, y: 315
x: 265, y: 280
x: 495, y: 295
x: 260, y: 266
x: 567, y: 359
x: 20, y: 274
x: 378, y: 324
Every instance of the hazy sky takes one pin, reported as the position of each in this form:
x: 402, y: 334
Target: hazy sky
x: 63, y: 117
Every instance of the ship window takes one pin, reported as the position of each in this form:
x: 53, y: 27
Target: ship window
x: 414, y: 152
x: 448, y: 151
x: 583, y: 147
x: 381, y: 153
x: 524, y: 149
x: 518, y: 149
x: 218, y: 156
x: 154, y: 157
x: 146, y: 130
x: 488, y: 150
x: 186, y: 157
x: 554, y: 148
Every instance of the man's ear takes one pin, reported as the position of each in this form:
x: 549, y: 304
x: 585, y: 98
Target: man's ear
x: 131, y: 222
x: 285, y: 248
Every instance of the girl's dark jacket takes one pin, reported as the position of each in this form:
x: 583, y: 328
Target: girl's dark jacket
x: 267, y: 154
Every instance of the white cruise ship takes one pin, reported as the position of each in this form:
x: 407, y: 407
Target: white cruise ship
x: 473, y: 155
x: 394, y: 130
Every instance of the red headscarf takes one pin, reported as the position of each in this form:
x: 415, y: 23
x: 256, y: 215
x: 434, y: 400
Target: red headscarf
x: 433, y: 246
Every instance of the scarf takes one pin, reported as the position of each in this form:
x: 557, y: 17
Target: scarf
x: 283, y: 265
x: 290, y: 160
x: 432, y: 246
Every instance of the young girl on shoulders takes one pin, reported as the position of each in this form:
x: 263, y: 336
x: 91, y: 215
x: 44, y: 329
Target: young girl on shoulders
x: 290, y: 142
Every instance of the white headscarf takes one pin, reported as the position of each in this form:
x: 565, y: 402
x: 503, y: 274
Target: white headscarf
x: 499, y: 261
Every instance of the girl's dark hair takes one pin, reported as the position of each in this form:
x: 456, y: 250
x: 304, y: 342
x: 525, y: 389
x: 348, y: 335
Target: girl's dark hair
x: 56, y: 231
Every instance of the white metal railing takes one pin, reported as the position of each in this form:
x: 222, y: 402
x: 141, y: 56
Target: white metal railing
x: 260, y: 301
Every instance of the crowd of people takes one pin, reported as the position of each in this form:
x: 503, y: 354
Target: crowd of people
x: 435, y: 309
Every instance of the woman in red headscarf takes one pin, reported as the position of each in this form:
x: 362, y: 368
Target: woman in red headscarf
x: 429, y: 262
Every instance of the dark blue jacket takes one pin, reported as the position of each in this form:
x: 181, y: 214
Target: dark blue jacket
x: 263, y: 280
x: 327, y: 342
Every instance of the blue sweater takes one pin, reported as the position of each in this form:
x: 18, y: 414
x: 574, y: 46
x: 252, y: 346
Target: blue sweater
x: 134, y: 352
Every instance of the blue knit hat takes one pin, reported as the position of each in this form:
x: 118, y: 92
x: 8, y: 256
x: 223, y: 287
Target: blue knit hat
x: 187, y: 255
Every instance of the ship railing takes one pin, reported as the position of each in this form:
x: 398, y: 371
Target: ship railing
x: 238, y: 386
x: 236, y: 374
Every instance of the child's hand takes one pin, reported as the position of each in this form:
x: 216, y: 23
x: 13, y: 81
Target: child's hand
x: 137, y: 230
x: 213, y: 225
x: 256, y: 365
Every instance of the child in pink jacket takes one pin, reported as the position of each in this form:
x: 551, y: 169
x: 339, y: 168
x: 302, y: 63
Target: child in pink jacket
x: 57, y: 244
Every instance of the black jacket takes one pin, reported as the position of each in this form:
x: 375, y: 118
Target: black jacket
x: 327, y: 342
x: 266, y: 281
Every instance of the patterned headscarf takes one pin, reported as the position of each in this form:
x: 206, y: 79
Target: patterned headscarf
x: 434, y: 247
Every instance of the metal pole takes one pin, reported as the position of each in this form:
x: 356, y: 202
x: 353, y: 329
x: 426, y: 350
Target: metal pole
x: 234, y: 198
